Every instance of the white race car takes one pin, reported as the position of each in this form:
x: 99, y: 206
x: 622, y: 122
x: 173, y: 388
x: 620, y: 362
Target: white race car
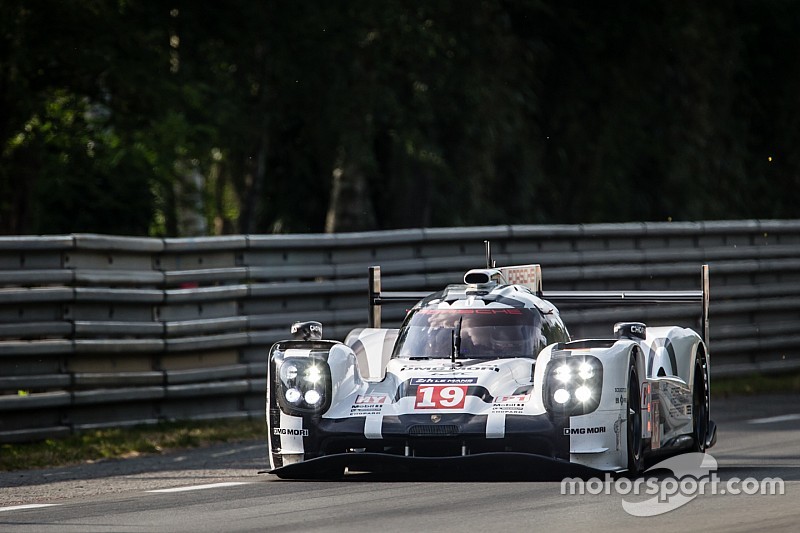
x: 484, y: 374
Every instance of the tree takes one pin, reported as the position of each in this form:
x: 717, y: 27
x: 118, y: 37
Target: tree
x: 183, y: 118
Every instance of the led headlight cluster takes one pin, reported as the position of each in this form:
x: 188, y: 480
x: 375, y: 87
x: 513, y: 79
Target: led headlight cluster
x: 304, y: 384
x: 572, y: 385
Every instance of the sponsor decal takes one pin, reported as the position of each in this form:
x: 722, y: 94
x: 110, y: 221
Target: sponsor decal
x: 510, y: 405
x: 511, y: 311
x: 647, y: 410
x: 370, y: 399
x: 513, y: 399
x: 440, y: 397
x: 584, y: 431
x: 620, y: 389
x: 520, y: 275
x: 290, y: 431
x: 655, y: 439
x: 448, y: 370
x: 645, y: 395
x: 368, y: 404
x: 444, y: 381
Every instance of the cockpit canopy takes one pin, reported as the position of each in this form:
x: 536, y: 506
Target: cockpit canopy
x: 486, y: 333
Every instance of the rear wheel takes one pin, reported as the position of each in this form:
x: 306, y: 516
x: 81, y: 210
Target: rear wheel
x: 700, y: 404
x: 634, y: 430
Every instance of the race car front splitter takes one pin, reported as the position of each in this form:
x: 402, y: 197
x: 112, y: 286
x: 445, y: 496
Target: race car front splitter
x: 491, y: 465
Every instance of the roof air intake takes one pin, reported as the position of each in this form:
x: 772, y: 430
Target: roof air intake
x: 484, y: 277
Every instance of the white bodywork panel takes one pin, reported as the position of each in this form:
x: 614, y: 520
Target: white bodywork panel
x: 373, y: 349
x: 597, y: 439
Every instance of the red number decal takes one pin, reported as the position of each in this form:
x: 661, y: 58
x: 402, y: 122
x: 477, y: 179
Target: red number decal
x: 440, y: 397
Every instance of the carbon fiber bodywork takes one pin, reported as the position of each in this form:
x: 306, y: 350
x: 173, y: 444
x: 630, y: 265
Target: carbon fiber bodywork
x: 489, y: 465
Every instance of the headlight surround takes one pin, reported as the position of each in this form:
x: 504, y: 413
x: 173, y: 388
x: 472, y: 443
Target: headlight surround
x: 573, y: 384
x: 303, y: 384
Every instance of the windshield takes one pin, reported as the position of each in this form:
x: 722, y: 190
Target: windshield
x: 485, y: 333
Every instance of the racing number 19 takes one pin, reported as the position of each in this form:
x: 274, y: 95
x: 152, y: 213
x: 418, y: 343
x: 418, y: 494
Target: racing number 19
x: 440, y: 397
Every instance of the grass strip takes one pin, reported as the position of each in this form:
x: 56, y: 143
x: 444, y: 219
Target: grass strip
x: 111, y: 443
x: 755, y: 384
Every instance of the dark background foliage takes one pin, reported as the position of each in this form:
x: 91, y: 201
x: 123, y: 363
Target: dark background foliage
x: 188, y: 118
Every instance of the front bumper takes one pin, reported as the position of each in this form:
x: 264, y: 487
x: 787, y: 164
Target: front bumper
x: 418, y: 436
x: 451, y: 435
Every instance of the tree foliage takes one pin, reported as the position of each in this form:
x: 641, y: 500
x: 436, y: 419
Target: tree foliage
x: 187, y: 118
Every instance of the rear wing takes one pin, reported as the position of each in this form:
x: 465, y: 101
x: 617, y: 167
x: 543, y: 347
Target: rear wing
x: 532, y: 278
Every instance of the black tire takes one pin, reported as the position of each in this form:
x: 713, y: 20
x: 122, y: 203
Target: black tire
x: 634, y: 423
x: 700, y: 404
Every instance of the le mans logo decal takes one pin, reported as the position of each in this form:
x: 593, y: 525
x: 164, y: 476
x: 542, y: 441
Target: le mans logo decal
x: 444, y: 381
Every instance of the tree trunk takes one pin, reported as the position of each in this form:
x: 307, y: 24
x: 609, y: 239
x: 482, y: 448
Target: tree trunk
x: 254, y: 188
x: 350, y: 206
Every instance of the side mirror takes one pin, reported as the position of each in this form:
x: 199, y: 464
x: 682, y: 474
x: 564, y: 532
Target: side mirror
x: 307, y: 331
x: 630, y: 330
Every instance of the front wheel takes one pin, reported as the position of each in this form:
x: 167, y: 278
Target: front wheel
x: 634, y: 430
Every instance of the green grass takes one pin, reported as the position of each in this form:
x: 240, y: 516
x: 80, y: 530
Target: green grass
x: 756, y: 384
x: 96, y: 445
x: 147, y: 440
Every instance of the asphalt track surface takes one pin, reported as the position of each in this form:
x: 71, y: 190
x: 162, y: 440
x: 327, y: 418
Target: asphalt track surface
x: 220, y: 489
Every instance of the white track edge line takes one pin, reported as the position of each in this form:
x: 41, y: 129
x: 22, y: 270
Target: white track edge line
x: 771, y: 419
x: 202, y: 487
x: 28, y: 506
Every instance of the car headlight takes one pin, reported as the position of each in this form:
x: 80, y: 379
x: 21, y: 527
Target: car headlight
x: 303, y: 384
x: 573, y: 384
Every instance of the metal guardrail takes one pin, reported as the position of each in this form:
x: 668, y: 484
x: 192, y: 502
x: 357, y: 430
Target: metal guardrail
x: 102, y: 331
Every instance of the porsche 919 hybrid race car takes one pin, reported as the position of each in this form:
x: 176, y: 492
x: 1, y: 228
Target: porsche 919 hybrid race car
x: 485, y: 373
